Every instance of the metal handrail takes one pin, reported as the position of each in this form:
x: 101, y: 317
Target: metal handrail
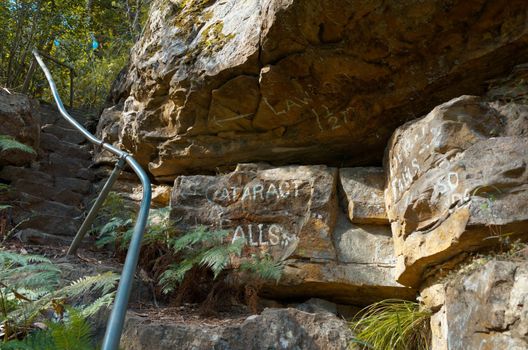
x: 29, y: 75
x: 117, y: 317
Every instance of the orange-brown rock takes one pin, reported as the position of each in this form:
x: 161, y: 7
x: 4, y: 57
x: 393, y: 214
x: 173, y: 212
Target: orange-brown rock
x: 215, y: 83
x: 458, y: 180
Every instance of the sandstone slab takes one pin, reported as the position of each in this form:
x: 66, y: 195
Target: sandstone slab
x: 362, y: 192
x: 457, y: 180
x: 292, y: 213
x: 290, y: 210
x: 214, y: 83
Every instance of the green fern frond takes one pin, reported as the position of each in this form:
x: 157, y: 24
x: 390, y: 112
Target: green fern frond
x: 72, y: 334
x: 115, y: 224
x: 218, y: 257
x: 105, y: 240
x: 8, y: 143
x: 104, y: 282
x: 103, y: 301
x: 21, y: 259
x: 4, y: 187
x: 199, y: 235
x: 263, y: 267
x: 32, y: 272
x: 75, y: 333
x: 175, y: 273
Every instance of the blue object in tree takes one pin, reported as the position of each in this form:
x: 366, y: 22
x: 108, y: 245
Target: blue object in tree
x: 95, y: 44
x: 56, y: 42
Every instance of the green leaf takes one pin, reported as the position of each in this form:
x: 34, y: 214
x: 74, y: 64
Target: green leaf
x: 8, y: 143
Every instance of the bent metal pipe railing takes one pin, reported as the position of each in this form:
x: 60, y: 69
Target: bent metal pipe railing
x: 117, y: 317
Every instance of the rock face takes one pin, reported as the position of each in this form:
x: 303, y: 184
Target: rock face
x: 487, y: 309
x: 292, y: 213
x: 215, y: 83
x: 287, y: 329
x: 457, y: 179
x: 18, y: 120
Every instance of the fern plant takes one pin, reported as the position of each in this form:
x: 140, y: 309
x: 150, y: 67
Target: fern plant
x: 393, y: 324
x: 30, y: 287
x: 73, y: 333
x: 9, y: 143
x: 263, y: 267
x: 210, y: 250
x: 171, y: 258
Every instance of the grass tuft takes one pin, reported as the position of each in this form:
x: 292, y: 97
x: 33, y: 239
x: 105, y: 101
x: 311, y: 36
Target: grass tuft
x: 393, y: 324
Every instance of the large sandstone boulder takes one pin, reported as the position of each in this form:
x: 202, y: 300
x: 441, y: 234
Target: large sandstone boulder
x: 458, y: 180
x: 292, y: 213
x: 20, y: 120
x: 484, y: 309
x: 215, y: 83
x: 285, y: 329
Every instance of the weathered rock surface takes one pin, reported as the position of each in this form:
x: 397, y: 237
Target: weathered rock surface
x: 216, y: 83
x: 457, y: 179
x: 487, y: 309
x: 19, y: 120
x: 292, y: 213
x: 362, y: 192
x: 287, y: 329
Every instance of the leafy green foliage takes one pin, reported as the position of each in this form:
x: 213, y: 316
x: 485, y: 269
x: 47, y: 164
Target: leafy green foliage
x: 264, y: 267
x: 30, y: 287
x: 93, y: 36
x: 210, y: 249
x: 8, y: 143
x: 74, y: 333
x: 393, y: 324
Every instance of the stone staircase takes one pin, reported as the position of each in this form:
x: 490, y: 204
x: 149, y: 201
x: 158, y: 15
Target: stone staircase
x: 50, y: 197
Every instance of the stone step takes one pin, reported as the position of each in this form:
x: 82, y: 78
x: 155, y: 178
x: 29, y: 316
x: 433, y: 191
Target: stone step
x: 51, y: 143
x: 34, y: 236
x: 13, y: 173
x: 52, y: 224
x: 38, y: 205
x: 58, y: 165
x: 68, y: 134
x: 73, y: 184
x: 50, y: 115
x: 49, y: 192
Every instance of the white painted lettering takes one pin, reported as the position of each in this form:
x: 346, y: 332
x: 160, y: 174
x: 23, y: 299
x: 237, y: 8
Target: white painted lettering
x: 272, y: 191
x: 274, y: 234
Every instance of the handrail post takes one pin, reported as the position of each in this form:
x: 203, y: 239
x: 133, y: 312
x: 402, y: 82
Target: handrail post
x: 71, y: 87
x: 92, y: 214
x: 117, y: 316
